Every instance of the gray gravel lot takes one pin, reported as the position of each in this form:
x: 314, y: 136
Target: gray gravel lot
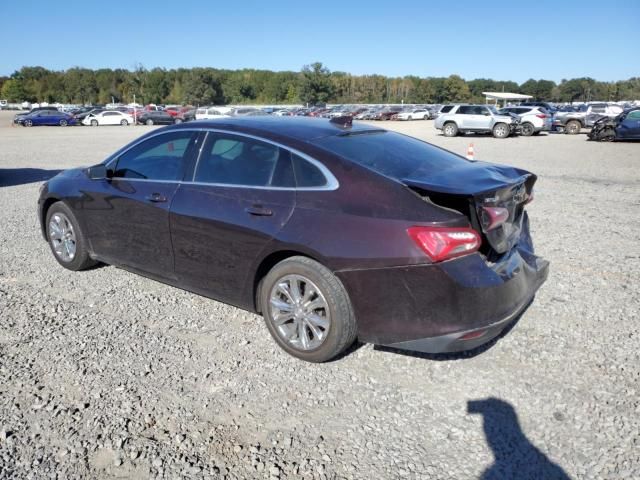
x: 105, y: 374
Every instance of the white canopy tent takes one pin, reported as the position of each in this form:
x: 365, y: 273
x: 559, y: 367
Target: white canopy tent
x: 505, y: 97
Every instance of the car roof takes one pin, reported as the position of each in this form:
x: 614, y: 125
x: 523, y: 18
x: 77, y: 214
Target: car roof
x: 297, y: 128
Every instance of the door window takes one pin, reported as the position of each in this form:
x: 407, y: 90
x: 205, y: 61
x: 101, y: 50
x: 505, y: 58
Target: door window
x: 243, y: 161
x: 307, y: 174
x: 158, y: 158
x: 634, y: 115
x: 465, y: 110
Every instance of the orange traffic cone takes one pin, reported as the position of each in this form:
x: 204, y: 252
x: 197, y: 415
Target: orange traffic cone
x: 470, y: 152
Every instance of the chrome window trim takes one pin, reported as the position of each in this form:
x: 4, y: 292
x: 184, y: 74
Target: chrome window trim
x: 332, y: 181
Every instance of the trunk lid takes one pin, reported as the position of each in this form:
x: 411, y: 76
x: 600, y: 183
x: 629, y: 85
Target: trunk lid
x: 479, y: 190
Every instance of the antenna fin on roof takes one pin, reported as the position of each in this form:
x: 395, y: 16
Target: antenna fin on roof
x: 344, y: 121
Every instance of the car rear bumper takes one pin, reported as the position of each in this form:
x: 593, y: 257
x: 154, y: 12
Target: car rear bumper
x: 452, y: 306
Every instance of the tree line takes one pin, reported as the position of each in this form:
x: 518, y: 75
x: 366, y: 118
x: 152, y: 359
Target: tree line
x: 312, y: 84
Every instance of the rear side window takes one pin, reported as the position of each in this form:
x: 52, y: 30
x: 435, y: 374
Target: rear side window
x: 242, y: 161
x: 465, y: 110
x: 158, y: 158
x: 446, y: 109
x: 391, y: 154
x: 307, y: 174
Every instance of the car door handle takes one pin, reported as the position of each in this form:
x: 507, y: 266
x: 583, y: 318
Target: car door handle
x: 156, y: 198
x: 259, y: 210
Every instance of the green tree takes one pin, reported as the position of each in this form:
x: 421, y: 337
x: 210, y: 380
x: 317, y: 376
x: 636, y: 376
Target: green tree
x: 13, y: 90
x: 202, y: 87
x: 456, y: 89
x: 315, y: 84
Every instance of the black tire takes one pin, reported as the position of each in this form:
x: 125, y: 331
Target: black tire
x: 81, y: 259
x: 342, y: 328
x: 501, y: 130
x: 63, y: 123
x: 527, y: 129
x: 149, y: 122
x: 572, y: 127
x: 94, y: 123
x: 28, y: 123
x: 607, y: 135
x: 450, y: 129
x: 177, y: 120
x: 124, y: 122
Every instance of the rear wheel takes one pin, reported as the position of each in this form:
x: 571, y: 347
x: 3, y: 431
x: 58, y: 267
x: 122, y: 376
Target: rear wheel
x: 450, y: 129
x: 572, y: 127
x: 94, y: 123
x: 149, y: 122
x: 124, y: 122
x: 307, y: 310
x: 527, y: 129
x: 501, y: 130
x: 63, y: 123
x: 65, y: 238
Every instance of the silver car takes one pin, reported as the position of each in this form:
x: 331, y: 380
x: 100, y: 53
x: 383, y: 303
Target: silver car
x: 478, y: 119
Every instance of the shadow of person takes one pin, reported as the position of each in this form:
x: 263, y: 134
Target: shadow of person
x: 10, y: 177
x: 515, y: 457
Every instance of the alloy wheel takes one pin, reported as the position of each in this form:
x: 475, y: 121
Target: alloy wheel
x: 62, y: 237
x: 299, y: 312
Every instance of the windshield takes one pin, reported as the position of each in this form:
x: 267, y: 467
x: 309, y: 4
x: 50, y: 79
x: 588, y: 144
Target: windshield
x: 390, y: 153
x: 492, y: 109
x: 583, y: 108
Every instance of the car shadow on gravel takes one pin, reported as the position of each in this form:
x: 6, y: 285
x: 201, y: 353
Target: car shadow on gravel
x: 10, y: 177
x: 515, y: 456
x: 444, y: 357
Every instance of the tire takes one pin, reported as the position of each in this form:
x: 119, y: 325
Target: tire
x: 124, y: 122
x: 28, y: 123
x: 450, y: 129
x: 527, y: 129
x: 410, y: 118
x: 572, y: 127
x: 177, y: 120
x: 426, y: 117
x: 94, y: 123
x: 334, y: 318
x: 63, y: 123
x: 607, y: 135
x: 65, y: 238
x: 149, y: 122
x: 501, y: 130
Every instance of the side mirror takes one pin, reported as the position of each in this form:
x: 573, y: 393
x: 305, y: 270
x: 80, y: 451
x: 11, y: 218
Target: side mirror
x: 97, y: 172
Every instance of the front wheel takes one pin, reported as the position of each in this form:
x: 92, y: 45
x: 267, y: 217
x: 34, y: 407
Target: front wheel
x: 94, y: 123
x: 177, y: 120
x: 28, y: 123
x: 149, y: 122
x: 63, y: 123
x: 607, y: 135
x: 501, y: 130
x: 66, y: 240
x: 124, y: 122
x: 450, y: 129
x: 307, y: 310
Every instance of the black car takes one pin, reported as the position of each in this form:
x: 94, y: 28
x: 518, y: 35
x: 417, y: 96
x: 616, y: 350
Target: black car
x: 333, y: 232
x: 155, y: 117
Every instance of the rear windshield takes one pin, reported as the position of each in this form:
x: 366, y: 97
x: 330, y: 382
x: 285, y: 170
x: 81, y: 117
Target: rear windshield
x: 391, y: 154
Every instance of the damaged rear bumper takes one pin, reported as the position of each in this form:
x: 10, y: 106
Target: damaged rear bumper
x: 447, y: 307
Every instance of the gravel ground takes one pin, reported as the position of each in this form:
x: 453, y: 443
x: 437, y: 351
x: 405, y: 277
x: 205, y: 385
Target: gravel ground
x: 105, y: 374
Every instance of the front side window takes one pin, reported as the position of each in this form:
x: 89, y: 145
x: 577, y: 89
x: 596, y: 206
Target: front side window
x: 634, y: 115
x: 158, y: 158
x: 465, y: 110
x: 241, y: 161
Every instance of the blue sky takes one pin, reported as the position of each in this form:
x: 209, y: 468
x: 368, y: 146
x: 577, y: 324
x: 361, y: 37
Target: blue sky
x: 504, y: 41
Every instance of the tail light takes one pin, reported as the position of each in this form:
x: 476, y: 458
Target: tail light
x: 541, y: 115
x: 441, y: 243
x: 493, y: 217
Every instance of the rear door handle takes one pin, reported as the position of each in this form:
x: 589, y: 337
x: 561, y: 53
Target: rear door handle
x: 156, y: 198
x: 259, y: 210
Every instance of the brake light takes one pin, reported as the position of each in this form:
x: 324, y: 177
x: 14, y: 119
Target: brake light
x: 493, y: 217
x: 441, y: 243
x: 541, y: 115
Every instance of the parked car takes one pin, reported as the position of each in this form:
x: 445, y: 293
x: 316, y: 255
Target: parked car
x: 546, y: 105
x: 47, y: 117
x: 282, y: 113
x: 478, y: 119
x: 86, y: 112
x: 415, y: 114
x: 444, y: 109
x: 18, y: 116
x: 386, y: 113
x: 187, y: 115
x: 157, y: 117
x: 209, y: 113
x: 625, y: 126
x: 271, y: 215
x: 246, y: 111
x: 173, y: 111
x: 108, y: 117
x: 533, y: 120
x: 573, y: 122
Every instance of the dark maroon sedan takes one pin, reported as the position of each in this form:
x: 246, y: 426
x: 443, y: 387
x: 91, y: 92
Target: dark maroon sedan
x: 333, y: 232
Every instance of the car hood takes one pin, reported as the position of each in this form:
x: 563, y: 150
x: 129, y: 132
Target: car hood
x: 470, y: 178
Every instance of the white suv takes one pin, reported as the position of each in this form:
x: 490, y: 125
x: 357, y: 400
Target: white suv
x: 533, y: 120
x: 478, y: 119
